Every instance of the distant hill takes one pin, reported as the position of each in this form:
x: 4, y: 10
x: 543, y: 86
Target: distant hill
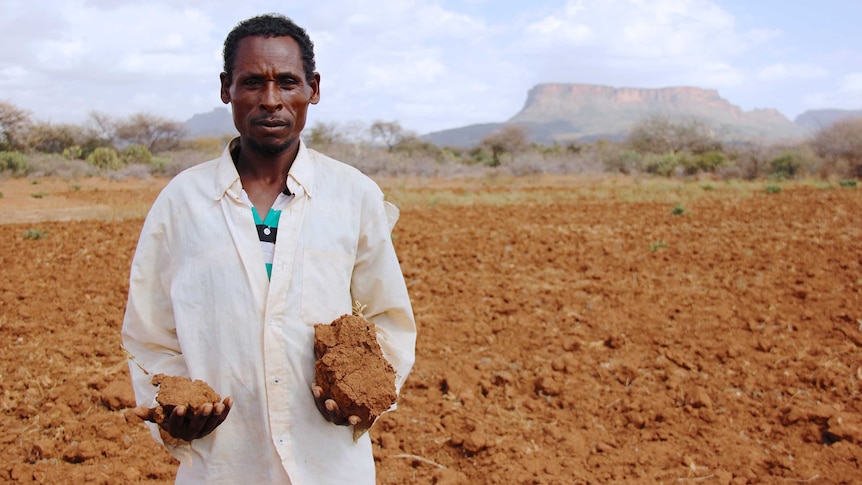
x: 818, y: 119
x: 217, y: 122
x: 586, y: 112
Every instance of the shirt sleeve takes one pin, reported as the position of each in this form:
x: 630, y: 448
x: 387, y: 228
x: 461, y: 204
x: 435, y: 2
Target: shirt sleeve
x: 378, y: 284
x: 149, y: 331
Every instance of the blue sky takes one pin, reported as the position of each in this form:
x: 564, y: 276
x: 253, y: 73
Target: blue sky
x: 432, y: 64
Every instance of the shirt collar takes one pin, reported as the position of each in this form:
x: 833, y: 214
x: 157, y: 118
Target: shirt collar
x: 300, y: 178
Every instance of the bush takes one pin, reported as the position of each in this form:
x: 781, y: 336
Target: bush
x: 74, y: 152
x: 665, y: 164
x: 105, y: 158
x: 137, y: 154
x: 622, y: 161
x: 842, y: 141
x: 705, y: 162
x: 14, y: 162
x: 787, y: 165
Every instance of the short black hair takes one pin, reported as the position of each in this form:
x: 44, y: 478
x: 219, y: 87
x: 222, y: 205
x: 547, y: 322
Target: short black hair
x: 269, y: 25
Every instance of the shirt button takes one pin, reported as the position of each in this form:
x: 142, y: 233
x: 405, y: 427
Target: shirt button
x: 276, y: 380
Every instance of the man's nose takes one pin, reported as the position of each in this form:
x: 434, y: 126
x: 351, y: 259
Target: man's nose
x: 270, y: 98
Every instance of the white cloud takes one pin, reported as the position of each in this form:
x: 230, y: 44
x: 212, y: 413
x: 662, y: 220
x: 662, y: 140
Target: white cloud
x: 659, y: 29
x: 851, y: 82
x: 785, y: 72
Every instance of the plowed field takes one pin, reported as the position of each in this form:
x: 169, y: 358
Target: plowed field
x: 571, y: 331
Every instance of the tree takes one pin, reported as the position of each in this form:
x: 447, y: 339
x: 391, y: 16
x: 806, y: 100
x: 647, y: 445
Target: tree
x: 510, y: 139
x: 660, y: 134
x: 154, y: 132
x: 324, y: 134
x: 389, y: 132
x: 841, y: 141
x: 49, y: 137
x: 13, y: 125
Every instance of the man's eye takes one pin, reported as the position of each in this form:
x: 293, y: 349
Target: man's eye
x: 287, y: 83
x: 252, y: 82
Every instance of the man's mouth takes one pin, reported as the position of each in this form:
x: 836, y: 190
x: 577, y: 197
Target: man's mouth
x: 271, y: 122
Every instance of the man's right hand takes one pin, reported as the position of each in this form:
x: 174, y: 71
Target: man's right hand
x: 186, y: 425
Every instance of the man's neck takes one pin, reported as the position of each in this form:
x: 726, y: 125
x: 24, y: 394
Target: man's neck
x: 255, y: 164
x: 263, y: 175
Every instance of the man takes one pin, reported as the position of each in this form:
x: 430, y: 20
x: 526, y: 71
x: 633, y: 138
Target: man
x: 237, y: 261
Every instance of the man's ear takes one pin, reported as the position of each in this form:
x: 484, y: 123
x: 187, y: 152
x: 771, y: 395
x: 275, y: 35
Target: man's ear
x: 315, y: 88
x: 225, y: 87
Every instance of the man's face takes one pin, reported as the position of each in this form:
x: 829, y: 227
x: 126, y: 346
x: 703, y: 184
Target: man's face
x: 269, y: 93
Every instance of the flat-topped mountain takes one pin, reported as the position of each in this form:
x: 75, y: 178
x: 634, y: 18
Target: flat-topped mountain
x: 569, y: 112
x: 818, y: 119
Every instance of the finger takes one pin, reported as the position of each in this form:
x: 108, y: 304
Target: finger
x: 201, y: 422
x: 354, y: 420
x: 145, y: 413
x: 214, y: 419
x: 175, y: 425
x: 317, y: 391
x: 334, y: 412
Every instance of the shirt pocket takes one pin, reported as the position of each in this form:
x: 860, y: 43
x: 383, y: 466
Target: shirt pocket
x: 325, y: 285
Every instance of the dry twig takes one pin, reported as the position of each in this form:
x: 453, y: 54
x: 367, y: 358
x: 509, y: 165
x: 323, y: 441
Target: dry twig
x: 419, y: 459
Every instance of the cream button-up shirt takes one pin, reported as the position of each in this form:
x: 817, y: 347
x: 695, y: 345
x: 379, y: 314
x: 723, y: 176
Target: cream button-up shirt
x: 200, y: 305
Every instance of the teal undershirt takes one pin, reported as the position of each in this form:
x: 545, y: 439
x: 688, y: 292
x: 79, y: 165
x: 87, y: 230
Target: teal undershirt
x: 270, y: 221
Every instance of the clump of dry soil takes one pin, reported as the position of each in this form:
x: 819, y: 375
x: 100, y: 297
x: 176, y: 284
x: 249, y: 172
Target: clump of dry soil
x: 181, y: 391
x: 352, y: 370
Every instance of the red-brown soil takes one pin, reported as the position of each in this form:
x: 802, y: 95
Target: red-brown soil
x: 181, y: 391
x: 572, y: 336
x: 351, y: 369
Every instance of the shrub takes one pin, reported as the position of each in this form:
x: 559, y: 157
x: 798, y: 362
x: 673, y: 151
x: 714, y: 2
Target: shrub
x: 74, y: 152
x: 665, y: 164
x: 14, y: 162
x: 842, y: 140
x: 105, y: 158
x: 773, y: 189
x: 705, y: 162
x: 137, y: 154
x: 786, y: 165
x: 847, y: 183
x: 159, y: 164
x: 622, y: 161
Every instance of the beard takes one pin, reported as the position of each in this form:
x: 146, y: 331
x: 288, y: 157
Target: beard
x: 269, y: 148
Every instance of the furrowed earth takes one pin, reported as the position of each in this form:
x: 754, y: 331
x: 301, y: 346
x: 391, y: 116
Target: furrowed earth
x: 571, y: 330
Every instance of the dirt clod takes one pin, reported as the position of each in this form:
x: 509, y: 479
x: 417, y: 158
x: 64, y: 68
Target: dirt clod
x: 352, y: 370
x: 181, y: 391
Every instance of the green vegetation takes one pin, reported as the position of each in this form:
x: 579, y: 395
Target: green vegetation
x: 14, y: 162
x: 39, y: 195
x: 847, y: 183
x: 678, y: 210
x: 773, y: 189
x: 34, y: 234
x: 654, y: 246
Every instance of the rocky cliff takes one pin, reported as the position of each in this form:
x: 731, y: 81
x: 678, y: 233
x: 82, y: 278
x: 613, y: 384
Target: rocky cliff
x: 593, y: 110
x: 568, y: 112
